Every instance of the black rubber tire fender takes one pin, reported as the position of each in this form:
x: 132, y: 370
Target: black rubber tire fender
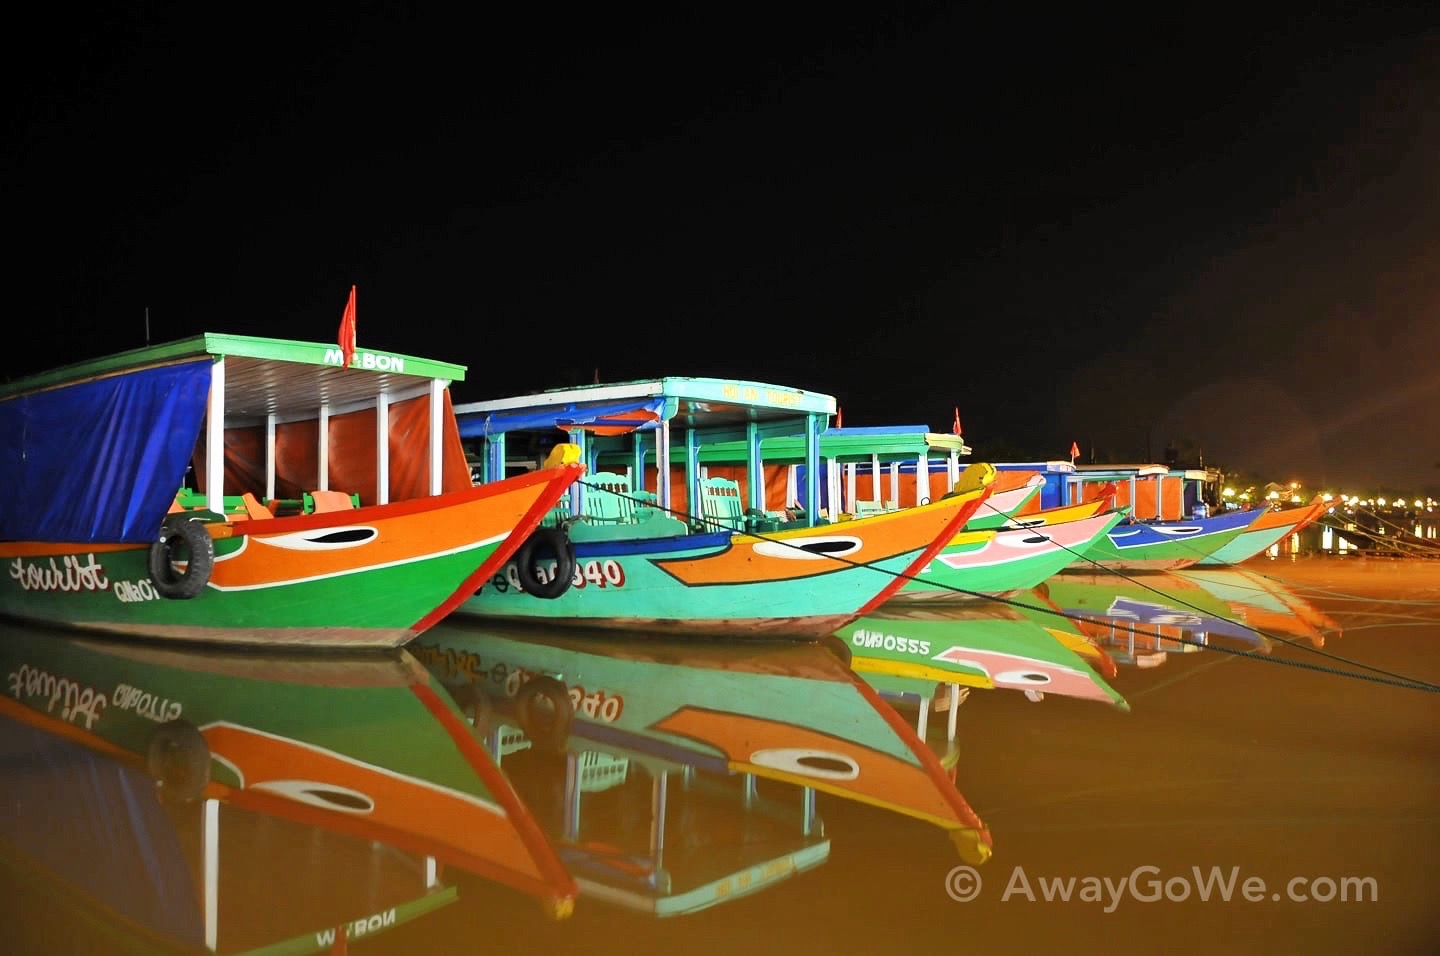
x: 545, y: 712
x: 187, y: 540
x: 542, y: 545
x: 477, y: 708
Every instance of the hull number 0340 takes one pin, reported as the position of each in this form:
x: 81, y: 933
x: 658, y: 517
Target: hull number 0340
x: 592, y: 573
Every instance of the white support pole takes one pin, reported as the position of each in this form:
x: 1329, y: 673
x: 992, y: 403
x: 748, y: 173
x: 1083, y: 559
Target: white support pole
x: 952, y: 727
x: 437, y: 443
x: 382, y: 449
x: 573, y: 795
x: 322, y: 451
x: 658, y: 811
x: 215, y: 440
x: 210, y: 864
x: 270, y: 428
x: 662, y: 466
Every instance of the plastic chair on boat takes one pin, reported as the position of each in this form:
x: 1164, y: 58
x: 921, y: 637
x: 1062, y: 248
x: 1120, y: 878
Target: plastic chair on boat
x: 720, y: 504
x: 321, y: 501
x: 253, y: 508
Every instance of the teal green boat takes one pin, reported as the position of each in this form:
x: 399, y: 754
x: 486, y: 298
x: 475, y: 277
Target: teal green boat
x: 867, y: 471
x: 673, y: 546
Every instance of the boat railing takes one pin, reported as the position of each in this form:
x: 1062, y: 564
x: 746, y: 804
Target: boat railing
x: 247, y: 506
x: 611, y: 509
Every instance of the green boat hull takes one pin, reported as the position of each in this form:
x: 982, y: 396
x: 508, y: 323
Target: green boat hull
x: 1005, y: 564
x: 374, y: 606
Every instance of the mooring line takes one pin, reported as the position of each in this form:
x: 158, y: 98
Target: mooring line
x: 1379, y: 675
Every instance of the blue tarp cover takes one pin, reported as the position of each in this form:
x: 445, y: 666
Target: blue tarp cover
x: 97, y: 826
x: 563, y: 416
x: 100, y: 461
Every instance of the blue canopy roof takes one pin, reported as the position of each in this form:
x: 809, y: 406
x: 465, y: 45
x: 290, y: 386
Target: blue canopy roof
x: 569, y: 415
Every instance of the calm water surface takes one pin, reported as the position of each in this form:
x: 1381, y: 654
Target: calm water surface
x: 1272, y: 751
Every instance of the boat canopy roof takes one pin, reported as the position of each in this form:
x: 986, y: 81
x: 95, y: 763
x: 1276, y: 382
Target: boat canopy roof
x: 890, y: 443
x: 1044, y: 467
x: 1121, y: 471
x: 266, y: 376
x: 701, y: 403
x: 96, y: 450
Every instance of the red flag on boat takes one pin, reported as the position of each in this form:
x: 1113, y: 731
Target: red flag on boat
x: 1074, y: 452
x: 347, y: 330
x: 839, y: 417
x: 956, y: 427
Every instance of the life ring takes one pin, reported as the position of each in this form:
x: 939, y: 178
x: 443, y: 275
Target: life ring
x: 545, y: 712
x: 543, y: 545
x: 184, y: 541
x: 178, y: 760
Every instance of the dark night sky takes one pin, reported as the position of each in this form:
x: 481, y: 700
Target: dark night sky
x: 1190, y: 226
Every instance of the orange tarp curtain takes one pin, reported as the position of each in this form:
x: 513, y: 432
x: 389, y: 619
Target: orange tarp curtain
x: 679, y: 496
x: 352, y: 455
x: 868, y: 489
x: 1147, y: 502
x: 1090, y: 490
x: 777, y: 487
x: 1172, y: 499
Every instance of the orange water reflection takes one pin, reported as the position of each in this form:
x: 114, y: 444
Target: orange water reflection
x: 754, y: 781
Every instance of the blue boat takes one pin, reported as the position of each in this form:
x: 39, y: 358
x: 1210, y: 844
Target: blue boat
x: 1169, y: 526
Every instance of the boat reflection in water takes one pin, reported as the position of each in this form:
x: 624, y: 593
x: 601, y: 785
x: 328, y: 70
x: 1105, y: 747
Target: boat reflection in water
x: 1143, y: 618
x: 676, y: 776
x: 912, y: 655
x: 1265, y: 603
x: 327, y: 795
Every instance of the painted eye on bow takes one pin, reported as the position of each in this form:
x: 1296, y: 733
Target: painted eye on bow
x: 1023, y: 678
x: 317, y: 794
x: 804, y: 761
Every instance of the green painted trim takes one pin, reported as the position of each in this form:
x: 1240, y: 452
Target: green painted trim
x: 221, y: 344
x: 675, y: 391
x: 744, y: 882
x: 790, y: 450
x: 320, y: 941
